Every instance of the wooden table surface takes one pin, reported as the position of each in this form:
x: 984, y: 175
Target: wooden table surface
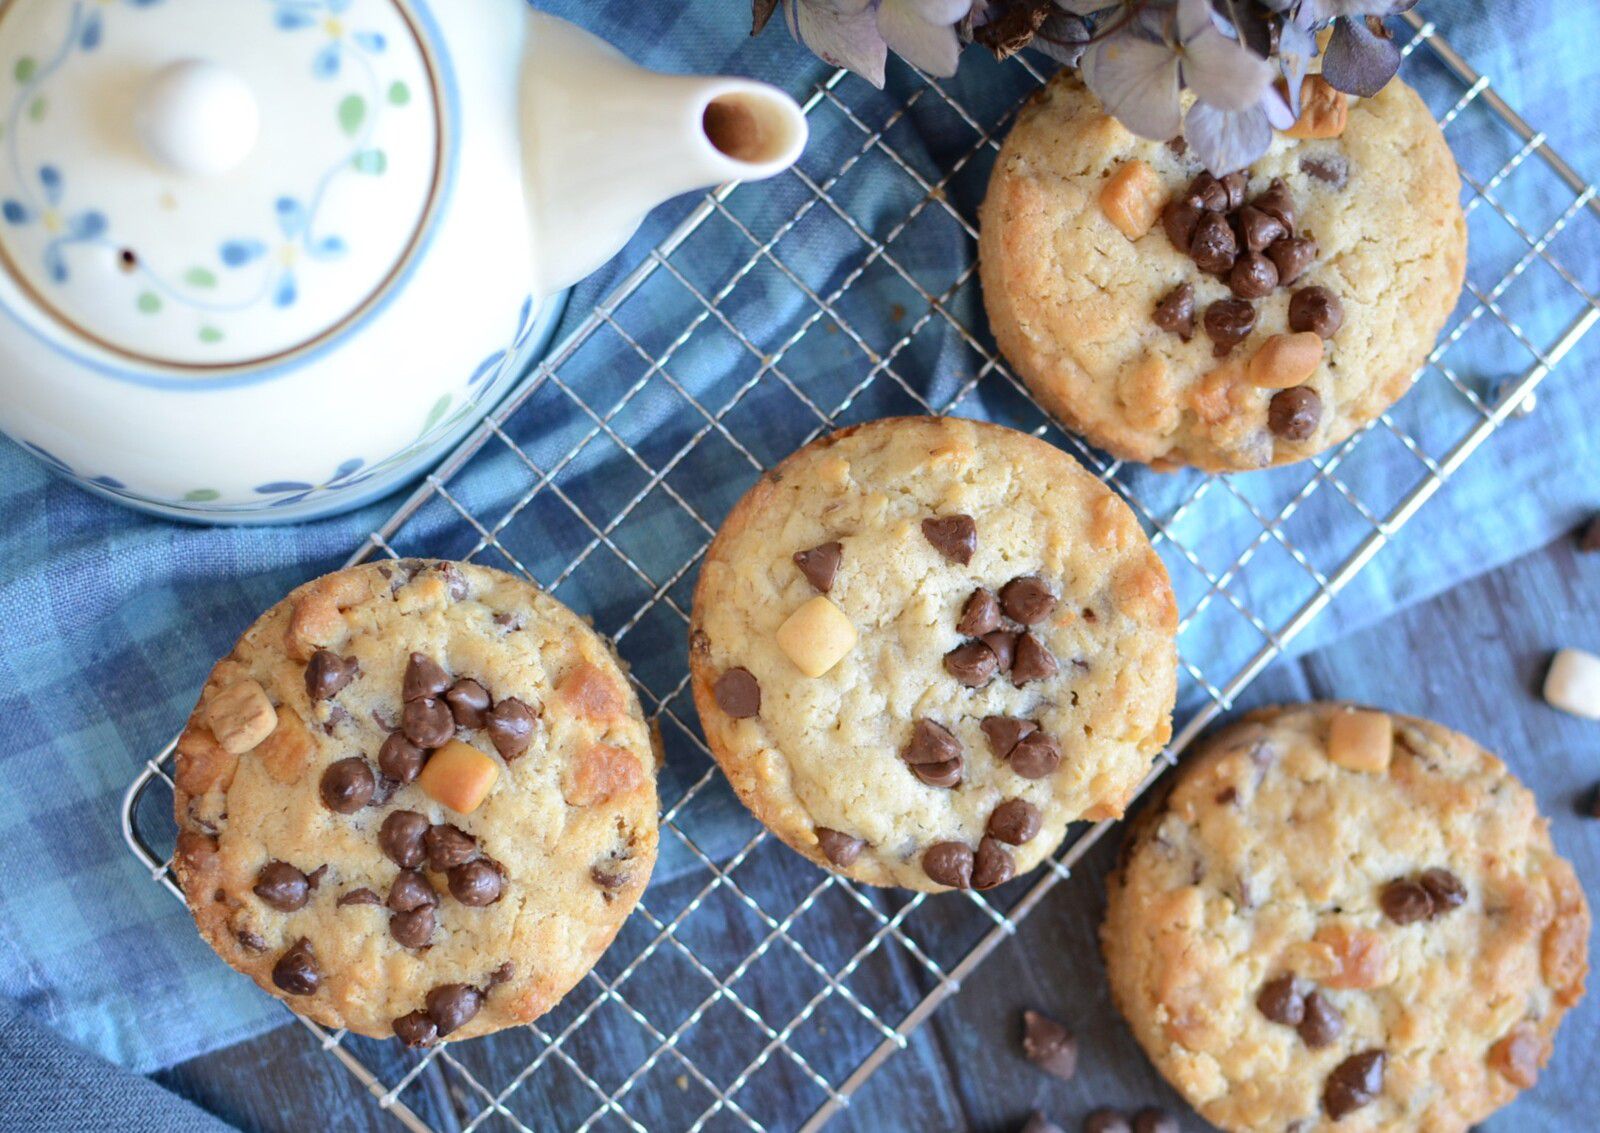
x: 1473, y: 659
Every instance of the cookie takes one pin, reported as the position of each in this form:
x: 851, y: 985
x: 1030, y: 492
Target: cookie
x: 921, y: 647
x: 417, y: 799
x: 1172, y: 318
x: 1342, y: 919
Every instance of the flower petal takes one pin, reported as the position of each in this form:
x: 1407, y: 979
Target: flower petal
x: 1137, y: 80
x: 930, y: 47
x: 1358, y: 60
x: 1062, y: 38
x: 1220, y: 70
x: 843, y: 39
x: 1227, y: 140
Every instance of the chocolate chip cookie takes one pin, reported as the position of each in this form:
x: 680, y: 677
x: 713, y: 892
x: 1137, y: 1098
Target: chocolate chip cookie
x: 1339, y: 918
x: 921, y: 647
x: 417, y: 799
x: 1176, y: 318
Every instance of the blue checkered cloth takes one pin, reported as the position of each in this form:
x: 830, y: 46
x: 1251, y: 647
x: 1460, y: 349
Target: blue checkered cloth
x: 109, y: 620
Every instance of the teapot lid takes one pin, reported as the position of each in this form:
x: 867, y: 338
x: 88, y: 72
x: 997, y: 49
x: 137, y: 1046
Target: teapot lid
x: 214, y: 183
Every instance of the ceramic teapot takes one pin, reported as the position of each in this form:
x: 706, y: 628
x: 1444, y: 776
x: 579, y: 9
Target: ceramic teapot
x: 262, y: 260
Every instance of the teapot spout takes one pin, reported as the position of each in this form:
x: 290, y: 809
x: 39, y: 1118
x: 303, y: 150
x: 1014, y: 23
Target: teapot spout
x: 605, y: 141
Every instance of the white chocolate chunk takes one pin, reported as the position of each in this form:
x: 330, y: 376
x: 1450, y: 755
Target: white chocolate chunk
x: 241, y: 716
x: 816, y: 636
x: 1359, y: 740
x: 1573, y: 683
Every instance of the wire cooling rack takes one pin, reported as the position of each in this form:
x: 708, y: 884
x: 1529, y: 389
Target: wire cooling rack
x: 751, y: 990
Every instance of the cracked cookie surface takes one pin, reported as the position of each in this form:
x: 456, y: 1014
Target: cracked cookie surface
x: 417, y: 798
x: 1339, y: 919
x: 1072, y: 299
x: 1011, y: 667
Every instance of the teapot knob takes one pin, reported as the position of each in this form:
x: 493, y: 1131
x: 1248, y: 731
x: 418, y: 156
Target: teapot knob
x: 198, y: 118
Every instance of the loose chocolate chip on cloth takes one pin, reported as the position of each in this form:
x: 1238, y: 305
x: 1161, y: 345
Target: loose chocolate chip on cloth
x: 404, y: 913
x: 974, y: 562
x: 1383, y: 974
x: 1049, y: 1045
x: 1373, y: 216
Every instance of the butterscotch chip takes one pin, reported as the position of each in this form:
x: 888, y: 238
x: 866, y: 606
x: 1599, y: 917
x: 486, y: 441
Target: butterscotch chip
x: 241, y: 716
x: 970, y: 552
x: 459, y: 776
x: 352, y: 871
x: 1300, y: 944
x: 816, y: 636
x: 1324, y: 111
x: 1132, y: 199
x: 1071, y: 302
x: 1361, y: 740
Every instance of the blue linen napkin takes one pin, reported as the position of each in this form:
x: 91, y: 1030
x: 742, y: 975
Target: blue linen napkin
x: 109, y: 620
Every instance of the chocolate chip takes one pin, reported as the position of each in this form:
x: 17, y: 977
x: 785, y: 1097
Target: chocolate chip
x: 413, y: 929
x: 400, y: 759
x: 1282, y: 1000
x: 949, y: 863
x: 336, y: 716
x: 839, y: 848
x: 401, y: 838
x: 930, y: 743
x: 1035, y: 756
x: 508, y: 622
x: 469, y: 702
x: 953, y: 536
x: 347, y: 785
x: 454, y: 581
x: 1291, y: 256
x: 1235, y: 183
x: 973, y: 664
x: 1332, y: 170
x: 1027, y: 600
x: 424, y: 679
x: 946, y: 775
x: 1105, y: 1120
x: 1015, y: 821
x: 1254, y: 276
x: 1355, y: 1082
x: 1214, y: 247
x: 1004, y: 732
x: 1589, y: 537
x: 1033, y: 661
x: 1323, y: 1023
x: 362, y: 896
x: 1004, y: 644
x: 980, y: 615
x: 992, y: 865
x: 1179, y: 218
x: 282, y: 886
x: 411, y: 889
x: 820, y: 564
x: 503, y: 974
x: 1258, y: 230
x: 416, y: 1029
x: 1316, y: 309
x: 1229, y: 322
x: 611, y: 876
x: 738, y: 693
x: 1279, y: 202
x: 296, y: 970
x: 477, y: 883
x: 327, y: 673
x: 1049, y: 1045
x: 510, y: 725
x: 1154, y: 1119
x: 1294, y: 414
x: 428, y: 723
x: 1175, y: 313
x: 452, y: 1006
x: 386, y: 721
x: 448, y: 846
x: 1207, y: 192
x: 253, y: 941
x: 1405, y: 902
x: 1445, y: 889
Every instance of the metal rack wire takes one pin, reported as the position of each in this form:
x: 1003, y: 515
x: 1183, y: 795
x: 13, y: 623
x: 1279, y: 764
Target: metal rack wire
x: 750, y: 990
